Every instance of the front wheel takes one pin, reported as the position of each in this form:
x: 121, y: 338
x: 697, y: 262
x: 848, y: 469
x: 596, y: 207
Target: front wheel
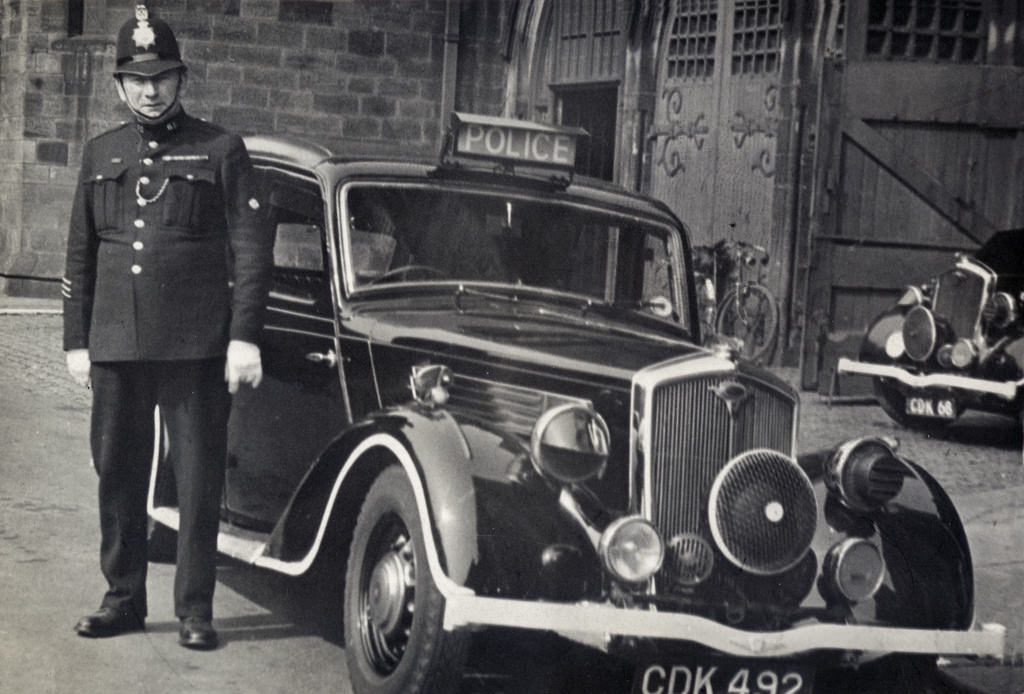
x: 750, y: 314
x: 394, y: 637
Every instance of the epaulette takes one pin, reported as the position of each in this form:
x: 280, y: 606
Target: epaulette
x: 120, y: 126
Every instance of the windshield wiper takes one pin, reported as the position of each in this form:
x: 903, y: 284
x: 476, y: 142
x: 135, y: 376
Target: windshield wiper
x: 513, y: 298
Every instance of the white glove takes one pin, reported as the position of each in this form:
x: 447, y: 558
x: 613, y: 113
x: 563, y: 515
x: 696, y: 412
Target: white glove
x: 243, y: 365
x: 78, y: 365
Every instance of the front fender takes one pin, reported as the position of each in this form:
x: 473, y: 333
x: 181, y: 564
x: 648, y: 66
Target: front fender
x: 498, y: 526
x: 929, y: 581
x: 490, y: 516
x: 926, y: 521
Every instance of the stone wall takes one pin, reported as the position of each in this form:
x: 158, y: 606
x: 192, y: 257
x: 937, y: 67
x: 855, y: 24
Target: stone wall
x: 360, y: 76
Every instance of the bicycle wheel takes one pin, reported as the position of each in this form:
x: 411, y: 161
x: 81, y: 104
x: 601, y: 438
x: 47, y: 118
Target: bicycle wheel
x: 750, y: 314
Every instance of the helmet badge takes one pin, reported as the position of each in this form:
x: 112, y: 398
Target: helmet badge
x: 143, y: 35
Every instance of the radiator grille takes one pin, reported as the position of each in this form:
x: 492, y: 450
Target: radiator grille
x: 695, y: 432
x: 959, y: 300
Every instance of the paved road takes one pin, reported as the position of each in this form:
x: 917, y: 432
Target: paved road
x: 274, y: 628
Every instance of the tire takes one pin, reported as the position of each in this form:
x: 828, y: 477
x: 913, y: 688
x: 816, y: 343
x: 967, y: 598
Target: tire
x: 892, y: 402
x: 394, y: 637
x: 751, y: 315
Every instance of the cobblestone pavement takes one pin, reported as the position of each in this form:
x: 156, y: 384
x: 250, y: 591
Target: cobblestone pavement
x: 31, y: 355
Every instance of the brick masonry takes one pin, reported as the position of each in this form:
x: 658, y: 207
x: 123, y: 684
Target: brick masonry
x: 359, y: 76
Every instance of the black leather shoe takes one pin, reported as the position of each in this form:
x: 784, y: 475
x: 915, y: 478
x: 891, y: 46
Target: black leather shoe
x: 197, y: 633
x: 108, y: 621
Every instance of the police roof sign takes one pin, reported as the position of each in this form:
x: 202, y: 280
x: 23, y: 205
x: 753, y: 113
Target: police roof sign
x: 513, y: 141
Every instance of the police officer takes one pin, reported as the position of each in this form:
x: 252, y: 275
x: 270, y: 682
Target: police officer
x: 166, y: 278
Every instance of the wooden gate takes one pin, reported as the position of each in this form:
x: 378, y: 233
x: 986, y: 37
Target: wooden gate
x: 717, y: 117
x: 922, y: 155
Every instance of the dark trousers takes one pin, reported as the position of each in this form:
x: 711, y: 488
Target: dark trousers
x: 194, y: 403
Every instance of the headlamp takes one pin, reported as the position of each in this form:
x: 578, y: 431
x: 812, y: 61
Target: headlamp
x: 631, y: 549
x: 894, y: 347
x: 569, y: 443
x: 865, y: 473
x: 964, y: 353
x: 853, y: 569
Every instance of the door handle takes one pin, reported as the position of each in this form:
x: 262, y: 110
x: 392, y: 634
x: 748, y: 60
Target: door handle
x: 328, y: 358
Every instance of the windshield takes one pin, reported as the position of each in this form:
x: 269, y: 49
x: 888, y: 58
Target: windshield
x: 429, y: 234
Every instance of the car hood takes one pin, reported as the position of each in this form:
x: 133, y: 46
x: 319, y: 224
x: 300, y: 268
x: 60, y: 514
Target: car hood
x: 595, y: 346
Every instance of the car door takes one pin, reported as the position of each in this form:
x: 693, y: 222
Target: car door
x: 278, y: 429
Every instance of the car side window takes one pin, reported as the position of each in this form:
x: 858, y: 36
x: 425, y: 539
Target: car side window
x: 295, y: 210
x: 297, y: 247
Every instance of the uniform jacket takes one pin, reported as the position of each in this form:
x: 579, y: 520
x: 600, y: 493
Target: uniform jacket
x: 163, y: 218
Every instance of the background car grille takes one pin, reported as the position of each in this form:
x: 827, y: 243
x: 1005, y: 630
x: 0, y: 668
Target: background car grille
x: 695, y: 432
x: 958, y: 301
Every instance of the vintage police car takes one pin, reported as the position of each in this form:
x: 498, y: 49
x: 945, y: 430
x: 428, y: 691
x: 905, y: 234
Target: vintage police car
x: 485, y: 386
x: 954, y: 343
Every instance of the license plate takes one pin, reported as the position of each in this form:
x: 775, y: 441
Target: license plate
x: 710, y: 676
x: 940, y: 408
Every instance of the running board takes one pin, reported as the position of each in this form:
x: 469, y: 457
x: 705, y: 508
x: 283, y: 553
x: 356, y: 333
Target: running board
x: 244, y: 545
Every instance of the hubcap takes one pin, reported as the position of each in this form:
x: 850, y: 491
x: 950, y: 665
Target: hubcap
x: 387, y: 596
x: 386, y: 593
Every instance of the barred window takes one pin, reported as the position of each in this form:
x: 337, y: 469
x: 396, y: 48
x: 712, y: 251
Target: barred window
x: 590, y: 40
x: 691, y: 41
x: 756, y: 37
x: 943, y: 30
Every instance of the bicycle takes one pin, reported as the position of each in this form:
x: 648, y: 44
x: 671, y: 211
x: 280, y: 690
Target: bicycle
x: 748, y: 310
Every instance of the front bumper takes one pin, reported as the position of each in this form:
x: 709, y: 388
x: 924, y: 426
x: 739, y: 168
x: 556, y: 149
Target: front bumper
x: 592, y: 623
x: 1004, y: 389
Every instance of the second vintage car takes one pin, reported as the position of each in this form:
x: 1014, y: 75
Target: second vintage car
x: 953, y: 343
x: 486, y: 391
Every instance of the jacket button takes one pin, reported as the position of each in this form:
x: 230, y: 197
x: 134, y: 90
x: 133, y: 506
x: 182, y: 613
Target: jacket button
x: 147, y: 161
x: 144, y: 180
x: 136, y: 269
x: 137, y: 245
x: 139, y: 223
x: 153, y: 144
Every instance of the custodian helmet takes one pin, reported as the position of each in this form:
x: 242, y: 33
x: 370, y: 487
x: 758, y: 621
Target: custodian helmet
x: 146, y: 46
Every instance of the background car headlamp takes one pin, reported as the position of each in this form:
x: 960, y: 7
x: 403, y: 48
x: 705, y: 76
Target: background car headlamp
x: 920, y: 333
x: 854, y: 569
x: 944, y: 355
x: 963, y: 354
x: 865, y: 473
x: 570, y: 443
x: 631, y: 549
x: 894, y: 344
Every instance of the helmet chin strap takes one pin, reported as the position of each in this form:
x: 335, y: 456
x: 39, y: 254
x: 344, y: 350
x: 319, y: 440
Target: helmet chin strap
x: 142, y: 119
